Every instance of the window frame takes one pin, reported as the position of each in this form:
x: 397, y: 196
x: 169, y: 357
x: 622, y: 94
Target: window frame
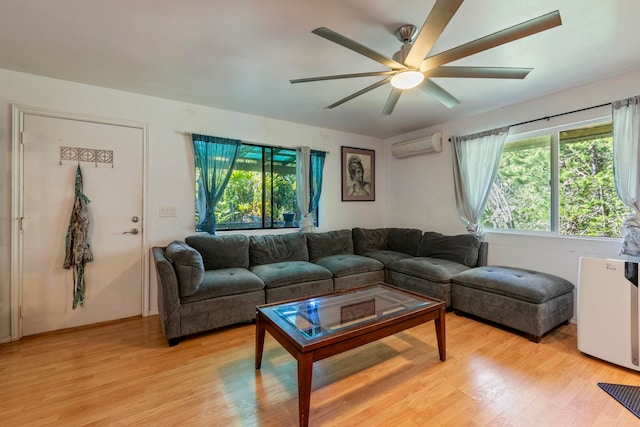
x: 554, y: 132
x: 267, y: 169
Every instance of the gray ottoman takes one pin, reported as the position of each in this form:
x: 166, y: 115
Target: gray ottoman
x: 525, y: 300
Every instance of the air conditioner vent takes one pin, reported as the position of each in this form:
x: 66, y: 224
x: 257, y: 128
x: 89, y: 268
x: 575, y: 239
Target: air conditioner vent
x: 414, y: 147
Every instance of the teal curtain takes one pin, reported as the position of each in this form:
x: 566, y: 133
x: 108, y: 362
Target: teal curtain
x: 309, y: 167
x: 303, y: 195
x: 214, y: 161
x: 315, y: 178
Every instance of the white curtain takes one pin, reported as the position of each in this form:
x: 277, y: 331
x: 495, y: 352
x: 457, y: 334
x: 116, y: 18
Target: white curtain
x: 475, y: 163
x: 303, y: 196
x: 626, y: 138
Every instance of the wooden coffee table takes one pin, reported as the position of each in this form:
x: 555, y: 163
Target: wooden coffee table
x: 315, y: 328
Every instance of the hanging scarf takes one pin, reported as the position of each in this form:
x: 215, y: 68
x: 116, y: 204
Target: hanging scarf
x: 78, y: 252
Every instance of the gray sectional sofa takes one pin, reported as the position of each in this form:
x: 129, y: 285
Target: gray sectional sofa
x: 207, y: 282
x: 425, y: 263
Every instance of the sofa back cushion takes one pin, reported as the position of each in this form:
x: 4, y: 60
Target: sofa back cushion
x: 329, y: 243
x: 187, y: 263
x: 405, y: 240
x: 217, y: 252
x: 368, y: 239
x: 462, y: 248
x: 278, y: 248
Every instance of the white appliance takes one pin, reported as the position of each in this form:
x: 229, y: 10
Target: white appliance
x: 608, y: 311
x: 414, y: 147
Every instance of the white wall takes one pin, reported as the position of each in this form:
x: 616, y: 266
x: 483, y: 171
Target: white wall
x: 412, y: 192
x: 170, y: 158
x: 421, y: 188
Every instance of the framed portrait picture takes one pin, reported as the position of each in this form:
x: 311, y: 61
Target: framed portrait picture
x: 358, y: 174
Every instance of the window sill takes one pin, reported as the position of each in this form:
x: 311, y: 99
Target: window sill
x: 549, y: 234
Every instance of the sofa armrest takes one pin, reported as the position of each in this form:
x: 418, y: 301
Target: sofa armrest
x: 168, y: 296
x: 483, y: 253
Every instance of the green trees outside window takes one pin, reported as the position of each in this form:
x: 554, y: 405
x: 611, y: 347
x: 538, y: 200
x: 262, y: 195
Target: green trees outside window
x: 521, y: 194
x: 560, y: 181
x: 262, y: 188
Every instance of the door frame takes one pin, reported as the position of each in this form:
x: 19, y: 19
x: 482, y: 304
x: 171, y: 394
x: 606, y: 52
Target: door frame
x: 17, y: 202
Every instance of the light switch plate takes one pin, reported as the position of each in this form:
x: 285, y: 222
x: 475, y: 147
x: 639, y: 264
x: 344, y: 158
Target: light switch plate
x: 167, y: 211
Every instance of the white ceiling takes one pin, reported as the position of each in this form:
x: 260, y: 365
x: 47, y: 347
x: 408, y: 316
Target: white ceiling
x: 239, y: 55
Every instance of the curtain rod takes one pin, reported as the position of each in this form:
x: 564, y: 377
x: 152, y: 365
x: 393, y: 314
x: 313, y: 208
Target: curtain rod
x: 557, y: 115
x: 272, y: 146
x: 561, y: 114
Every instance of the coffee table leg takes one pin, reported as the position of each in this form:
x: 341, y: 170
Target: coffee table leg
x: 305, y: 371
x: 441, y: 335
x: 259, y: 341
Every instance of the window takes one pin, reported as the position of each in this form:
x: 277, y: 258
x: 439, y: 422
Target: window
x: 558, y: 180
x: 249, y: 186
x: 261, y: 190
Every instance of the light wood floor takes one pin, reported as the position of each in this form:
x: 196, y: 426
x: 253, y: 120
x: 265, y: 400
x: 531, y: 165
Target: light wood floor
x: 125, y: 374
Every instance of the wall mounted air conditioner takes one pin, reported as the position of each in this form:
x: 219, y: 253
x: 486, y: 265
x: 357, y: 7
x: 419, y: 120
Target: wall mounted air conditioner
x: 414, y: 147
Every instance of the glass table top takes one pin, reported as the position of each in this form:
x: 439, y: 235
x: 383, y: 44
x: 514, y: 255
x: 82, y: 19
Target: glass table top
x: 316, y: 317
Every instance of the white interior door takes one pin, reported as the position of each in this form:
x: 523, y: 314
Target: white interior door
x: 114, y: 280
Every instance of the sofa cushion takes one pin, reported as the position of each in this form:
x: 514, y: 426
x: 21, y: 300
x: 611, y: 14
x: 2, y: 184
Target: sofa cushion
x: 367, y: 239
x: 348, y: 264
x: 277, y: 248
x: 433, y: 269
x: 405, y: 240
x: 227, y: 251
x: 329, y: 243
x: 224, y: 282
x: 462, y: 248
x: 386, y: 257
x: 187, y: 263
x: 517, y: 283
x: 289, y: 273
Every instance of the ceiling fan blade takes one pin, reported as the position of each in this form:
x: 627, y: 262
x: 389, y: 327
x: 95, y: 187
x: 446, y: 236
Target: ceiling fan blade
x: 391, y: 101
x: 436, y: 22
x: 343, y: 76
x: 358, y: 93
x: 357, y: 47
x: 479, y: 72
x: 439, y: 93
x: 507, y: 35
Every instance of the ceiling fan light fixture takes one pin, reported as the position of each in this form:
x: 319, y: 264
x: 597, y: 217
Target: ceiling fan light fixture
x: 407, y: 79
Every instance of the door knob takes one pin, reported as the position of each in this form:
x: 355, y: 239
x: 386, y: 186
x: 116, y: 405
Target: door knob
x: 132, y: 231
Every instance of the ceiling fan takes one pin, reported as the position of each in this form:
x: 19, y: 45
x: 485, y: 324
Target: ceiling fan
x: 411, y: 67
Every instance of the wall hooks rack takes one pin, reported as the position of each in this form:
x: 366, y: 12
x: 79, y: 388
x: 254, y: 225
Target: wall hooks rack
x: 90, y: 155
